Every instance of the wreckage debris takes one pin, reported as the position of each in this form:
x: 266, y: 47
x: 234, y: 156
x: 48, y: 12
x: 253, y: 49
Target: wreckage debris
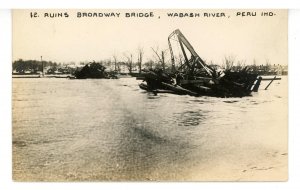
x: 194, y: 77
x: 233, y: 84
x: 94, y: 71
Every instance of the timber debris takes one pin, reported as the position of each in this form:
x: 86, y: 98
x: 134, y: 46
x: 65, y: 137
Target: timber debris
x: 94, y: 70
x: 194, y: 77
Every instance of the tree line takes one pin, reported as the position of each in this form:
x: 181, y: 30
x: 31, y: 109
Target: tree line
x: 125, y: 63
x: 34, y: 66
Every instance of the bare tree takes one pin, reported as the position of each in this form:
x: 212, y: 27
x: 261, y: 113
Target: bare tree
x: 115, y: 61
x: 228, y: 62
x: 140, y: 58
x: 268, y: 66
x: 254, y: 66
x: 128, y: 61
x: 180, y: 57
x: 160, y: 56
x: 240, y: 65
x: 149, y: 64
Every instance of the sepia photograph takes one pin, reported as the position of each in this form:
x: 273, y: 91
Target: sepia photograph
x: 149, y: 95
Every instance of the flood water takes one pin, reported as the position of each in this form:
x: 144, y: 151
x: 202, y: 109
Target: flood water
x: 100, y: 130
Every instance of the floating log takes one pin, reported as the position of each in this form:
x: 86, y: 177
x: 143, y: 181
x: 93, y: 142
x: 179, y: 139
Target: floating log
x: 140, y: 78
x: 143, y: 86
x: 204, y: 88
x: 179, y: 89
x: 275, y: 78
x: 191, y: 81
x: 163, y: 91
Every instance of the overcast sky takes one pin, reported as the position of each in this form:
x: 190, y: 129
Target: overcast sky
x: 86, y: 39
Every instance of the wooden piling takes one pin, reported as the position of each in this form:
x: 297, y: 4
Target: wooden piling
x: 270, y: 83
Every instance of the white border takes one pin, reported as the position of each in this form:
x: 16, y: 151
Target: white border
x: 294, y: 97
x: 116, y: 4
x: 5, y: 96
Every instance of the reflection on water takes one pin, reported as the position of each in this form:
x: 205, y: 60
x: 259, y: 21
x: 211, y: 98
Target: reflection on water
x: 65, y: 130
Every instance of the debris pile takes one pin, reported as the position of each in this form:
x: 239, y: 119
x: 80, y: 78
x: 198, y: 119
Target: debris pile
x: 194, y: 77
x: 94, y: 71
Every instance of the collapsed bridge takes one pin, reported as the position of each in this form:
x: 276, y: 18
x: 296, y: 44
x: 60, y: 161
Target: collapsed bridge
x: 194, y: 77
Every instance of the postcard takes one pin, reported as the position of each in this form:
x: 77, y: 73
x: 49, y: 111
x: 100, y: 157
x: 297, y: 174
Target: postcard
x: 150, y: 95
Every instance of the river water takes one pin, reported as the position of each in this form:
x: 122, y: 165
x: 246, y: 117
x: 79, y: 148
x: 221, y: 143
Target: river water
x: 100, y: 130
